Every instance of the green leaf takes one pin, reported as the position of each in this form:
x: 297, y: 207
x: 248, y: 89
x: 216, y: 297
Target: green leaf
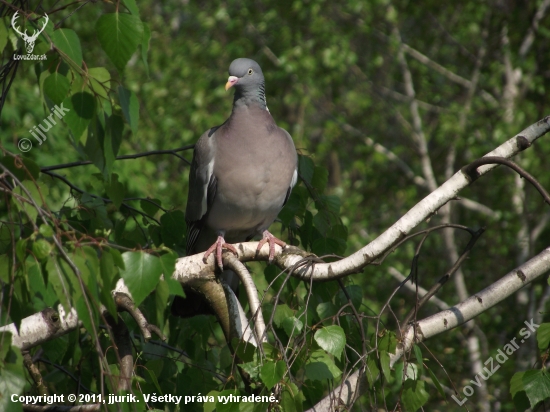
x: 332, y: 339
x: 5, y: 338
x: 326, y: 310
x: 418, y: 355
x: 306, y: 230
x: 172, y: 226
x: 132, y: 6
x: 115, y: 190
x: 117, y: 258
x: 331, y: 203
x: 119, y: 35
x: 436, y: 383
x: 41, y: 249
x: 295, y: 206
x: 113, y: 137
x: 372, y: 370
x: 36, y: 195
x: 67, y: 41
x: 46, y: 230
x: 244, y: 350
x: 100, y: 81
x: 414, y: 395
x: 145, y: 46
x: 385, y: 363
x: 3, y: 35
x: 320, y: 178
x: 270, y: 351
x: 537, y: 386
x: 88, y: 315
x: 60, y: 276
x: 161, y: 298
x: 516, y: 383
x: 5, y: 268
x: 130, y: 107
x: 306, y: 168
x: 21, y: 249
x: 222, y: 405
x: 174, y: 287
x: 281, y: 313
x: 109, y: 278
x: 292, y: 326
x: 325, y: 246
x: 141, y: 274
x: 56, y: 86
x: 22, y: 168
x: 252, y: 368
x: 318, y: 371
x: 81, y: 110
x: 94, y: 146
x: 12, y: 381
x: 87, y: 261
x: 153, y: 376
x: 388, y: 342
x: 321, y: 366
x: 211, y: 406
x: 271, y: 373
x: 543, y: 336
x: 150, y: 207
x: 517, y: 390
x: 355, y: 293
x: 168, y: 264
x: 291, y: 398
x: 411, y: 371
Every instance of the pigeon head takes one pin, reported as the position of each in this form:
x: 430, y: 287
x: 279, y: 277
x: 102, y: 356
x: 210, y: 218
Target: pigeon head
x: 244, y: 74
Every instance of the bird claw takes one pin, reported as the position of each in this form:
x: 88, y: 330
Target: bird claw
x: 272, y: 240
x: 218, y: 246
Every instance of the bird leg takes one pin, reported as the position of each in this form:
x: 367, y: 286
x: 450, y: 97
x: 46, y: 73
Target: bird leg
x: 272, y: 240
x: 218, y: 247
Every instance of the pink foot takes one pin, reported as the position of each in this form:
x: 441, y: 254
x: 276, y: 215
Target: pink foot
x: 272, y: 240
x: 218, y: 246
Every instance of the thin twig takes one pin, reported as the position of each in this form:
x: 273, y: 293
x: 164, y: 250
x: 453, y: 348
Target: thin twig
x: 79, y: 190
x: 471, y: 172
x: 445, y: 277
x: 124, y: 157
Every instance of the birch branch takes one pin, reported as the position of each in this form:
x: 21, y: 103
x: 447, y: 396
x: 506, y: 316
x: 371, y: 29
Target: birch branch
x: 447, y: 320
x: 191, y: 266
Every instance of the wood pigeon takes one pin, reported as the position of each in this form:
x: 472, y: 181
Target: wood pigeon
x: 241, y: 177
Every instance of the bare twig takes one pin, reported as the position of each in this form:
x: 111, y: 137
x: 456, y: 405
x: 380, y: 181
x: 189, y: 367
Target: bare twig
x: 124, y: 302
x: 416, y: 288
x: 470, y: 170
x: 434, y: 289
x: 124, y: 157
x: 35, y: 374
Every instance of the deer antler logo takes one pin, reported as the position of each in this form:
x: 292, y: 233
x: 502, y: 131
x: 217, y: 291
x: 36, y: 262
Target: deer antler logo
x: 29, y: 40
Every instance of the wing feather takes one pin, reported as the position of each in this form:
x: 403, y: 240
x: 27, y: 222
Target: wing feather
x: 202, y: 187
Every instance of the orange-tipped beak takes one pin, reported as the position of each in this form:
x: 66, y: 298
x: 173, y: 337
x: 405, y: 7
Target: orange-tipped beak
x: 231, y: 81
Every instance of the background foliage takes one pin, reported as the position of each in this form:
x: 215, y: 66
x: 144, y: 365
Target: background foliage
x: 151, y: 79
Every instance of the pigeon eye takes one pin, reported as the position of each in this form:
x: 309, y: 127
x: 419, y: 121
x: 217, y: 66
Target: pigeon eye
x: 250, y: 71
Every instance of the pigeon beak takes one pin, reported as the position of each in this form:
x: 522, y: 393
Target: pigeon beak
x: 231, y: 81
